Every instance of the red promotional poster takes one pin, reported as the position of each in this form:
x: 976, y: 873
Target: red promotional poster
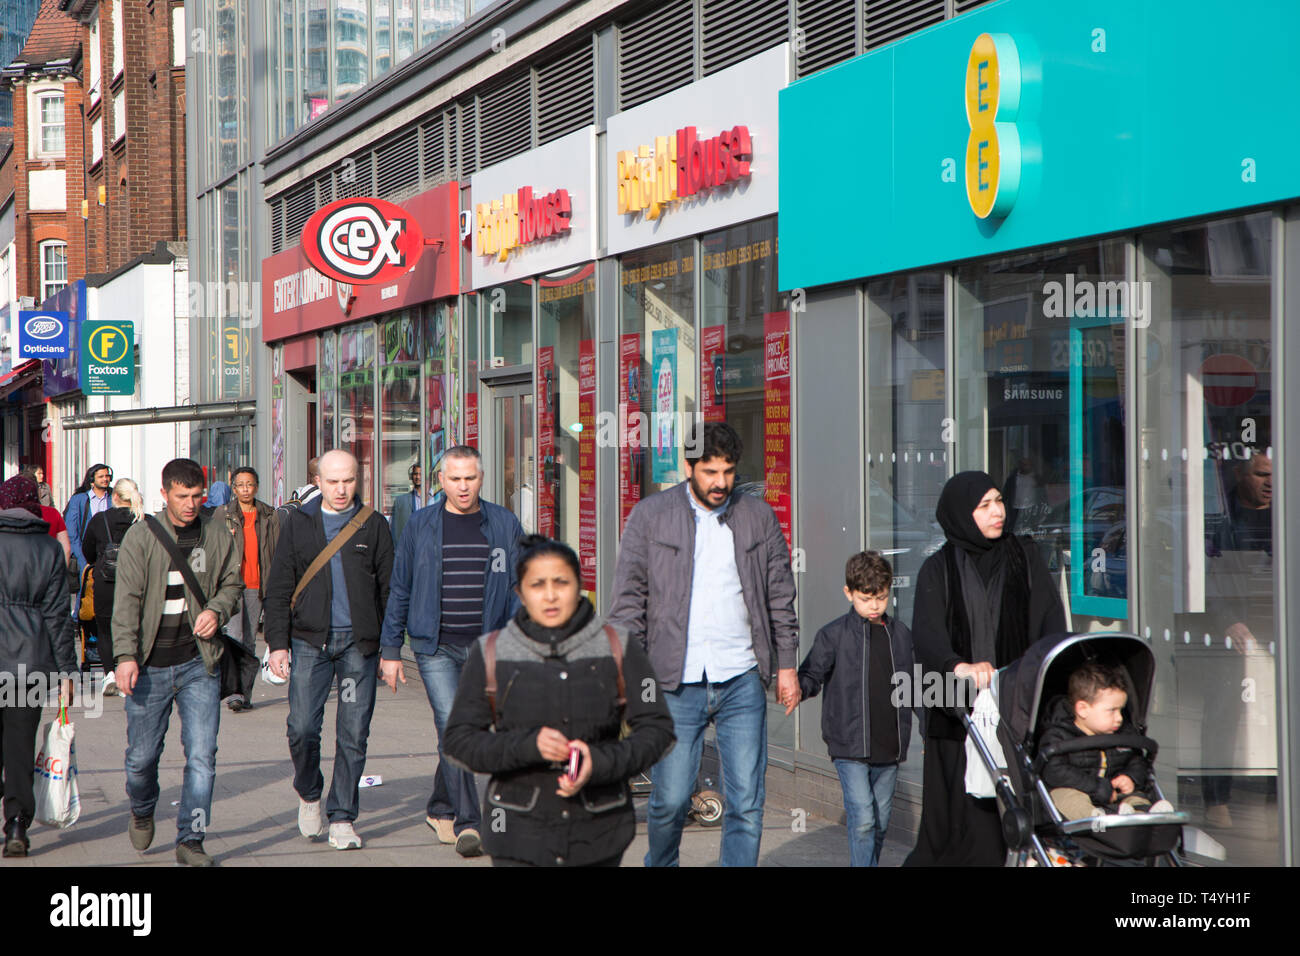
x: 546, y: 396
x: 471, y: 418
x: 713, y: 352
x: 587, y: 462
x: 631, y: 424
x: 776, y: 417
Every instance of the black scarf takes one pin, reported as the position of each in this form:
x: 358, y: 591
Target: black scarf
x: 554, y: 635
x: 988, y: 579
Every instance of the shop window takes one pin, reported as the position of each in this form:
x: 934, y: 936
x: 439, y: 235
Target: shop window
x: 1040, y: 407
x: 1205, y: 523
x: 399, y: 398
x: 656, y: 369
x: 356, y: 409
x: 328, y: 391
x: 442, y: 402
x: 508, y: 322
x: 566, y: 412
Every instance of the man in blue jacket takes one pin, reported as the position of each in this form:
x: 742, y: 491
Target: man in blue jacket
x: 453, y: 579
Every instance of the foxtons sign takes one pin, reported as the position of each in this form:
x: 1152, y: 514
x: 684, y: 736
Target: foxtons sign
x: 108, y: 358
x: 362, y: 241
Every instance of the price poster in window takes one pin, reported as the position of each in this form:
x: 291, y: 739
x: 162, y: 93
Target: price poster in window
x: 587, y: 462
x: 713, y: 357
x: 546, y: 396
x: 663, y: 379
x: 631, y: 426
x: 776, y: 417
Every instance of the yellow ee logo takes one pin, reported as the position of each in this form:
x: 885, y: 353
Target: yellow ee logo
x: 992, y: 102
x: 108, y: 345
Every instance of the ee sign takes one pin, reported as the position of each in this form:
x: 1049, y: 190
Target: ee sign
x: 43, y: 335
x: 992, y: 105
x: 108, y: 358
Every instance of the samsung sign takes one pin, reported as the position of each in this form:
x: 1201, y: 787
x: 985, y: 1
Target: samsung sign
x: 43, y: 335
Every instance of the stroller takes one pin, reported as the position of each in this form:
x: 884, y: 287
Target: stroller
x: 1036, y: 832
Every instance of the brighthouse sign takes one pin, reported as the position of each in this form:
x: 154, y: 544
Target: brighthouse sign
x: 43, y: 335
x: 519, y: 218
x: 681, y: 166
x: 108, y: 358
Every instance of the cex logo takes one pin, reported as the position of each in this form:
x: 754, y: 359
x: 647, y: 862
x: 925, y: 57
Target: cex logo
x: 43, y: 327
x: 362, y: 241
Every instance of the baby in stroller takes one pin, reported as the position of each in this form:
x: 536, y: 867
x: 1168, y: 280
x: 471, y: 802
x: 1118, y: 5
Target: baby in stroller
x: 1088, y: 782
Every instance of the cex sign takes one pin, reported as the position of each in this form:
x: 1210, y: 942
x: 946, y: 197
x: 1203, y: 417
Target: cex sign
x: 363, y: 241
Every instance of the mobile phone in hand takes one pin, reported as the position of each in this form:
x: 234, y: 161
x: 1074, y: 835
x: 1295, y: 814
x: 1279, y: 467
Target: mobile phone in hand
x: 575, y: 762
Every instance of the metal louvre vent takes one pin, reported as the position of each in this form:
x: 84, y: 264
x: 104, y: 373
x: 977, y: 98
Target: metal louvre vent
x: 656, y: 53
x: 826, y: 33
x: 436, y: 161
x: 324, y: 189
x: 398, y: 165
x: 298, y: 207
x: 888, y: 20
x: 506, y: 120
x: 961, y: 6
x: 354, y: 176
x: 735, y: 29
x: 277, y: 226
x: 468, y: 138
x: 566, y: 93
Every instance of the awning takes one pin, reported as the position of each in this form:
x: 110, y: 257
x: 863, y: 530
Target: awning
x: 20, y: 377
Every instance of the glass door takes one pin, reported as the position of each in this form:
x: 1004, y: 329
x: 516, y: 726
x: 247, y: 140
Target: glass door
x: 510, y: 463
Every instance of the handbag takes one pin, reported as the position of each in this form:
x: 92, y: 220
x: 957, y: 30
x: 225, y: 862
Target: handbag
x: 58, y: 802
x: 86, y: 609
x: 234, y: 653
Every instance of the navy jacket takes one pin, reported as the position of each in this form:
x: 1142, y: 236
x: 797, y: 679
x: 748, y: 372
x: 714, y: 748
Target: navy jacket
x: 838, y: 662
x: 415, y: 594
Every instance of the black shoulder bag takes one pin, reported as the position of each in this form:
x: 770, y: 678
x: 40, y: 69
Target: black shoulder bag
x: 235, y: 652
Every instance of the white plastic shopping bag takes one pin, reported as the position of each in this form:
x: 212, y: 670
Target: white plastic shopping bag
x: 58, y: 803
x: 268, y: 675
x: 984, y: 715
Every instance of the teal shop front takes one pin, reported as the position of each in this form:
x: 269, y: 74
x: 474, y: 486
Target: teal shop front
x: 1053, y: 242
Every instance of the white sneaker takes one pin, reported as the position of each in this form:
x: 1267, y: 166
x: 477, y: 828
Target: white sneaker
x: 309, y: 818
x: 343, y: 837
x: 1161, y: 806
x: 109, y: 689
x: 1126, y: 808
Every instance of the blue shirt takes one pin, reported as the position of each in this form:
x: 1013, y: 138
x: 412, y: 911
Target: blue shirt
x: 97, y: 504
x: 719, y: 643
x: 340, y: 607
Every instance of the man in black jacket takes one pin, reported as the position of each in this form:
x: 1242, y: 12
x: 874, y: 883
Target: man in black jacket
x: 330, y: 616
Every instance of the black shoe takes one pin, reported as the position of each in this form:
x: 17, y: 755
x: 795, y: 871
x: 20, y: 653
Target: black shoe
x: 239, y: 706
x: 140, y: 830
x: 190, y: 853
x: 16, y: 842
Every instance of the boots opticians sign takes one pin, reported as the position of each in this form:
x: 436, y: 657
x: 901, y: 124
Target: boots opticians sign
x: 519, y: 218
x: 363, y: 241
x: 680, y: 166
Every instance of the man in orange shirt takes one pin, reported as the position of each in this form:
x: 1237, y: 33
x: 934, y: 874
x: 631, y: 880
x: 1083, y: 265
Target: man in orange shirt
x: 253, y: 524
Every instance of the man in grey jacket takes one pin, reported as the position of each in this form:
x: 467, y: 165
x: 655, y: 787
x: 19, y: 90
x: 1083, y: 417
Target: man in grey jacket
x: 704, y: 581
x: 168, y: 649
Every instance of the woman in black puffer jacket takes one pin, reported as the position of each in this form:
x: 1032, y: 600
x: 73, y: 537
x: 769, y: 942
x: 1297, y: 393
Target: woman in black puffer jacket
x: 35, y: 638
x: 557, y: 689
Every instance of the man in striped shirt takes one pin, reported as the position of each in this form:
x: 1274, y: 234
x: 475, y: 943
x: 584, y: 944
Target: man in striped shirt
x: 453, y: 579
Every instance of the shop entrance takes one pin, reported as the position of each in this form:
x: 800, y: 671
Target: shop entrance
x: 509, y: 453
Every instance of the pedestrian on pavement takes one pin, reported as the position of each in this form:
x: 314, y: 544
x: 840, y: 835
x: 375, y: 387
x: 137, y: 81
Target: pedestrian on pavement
x: 90, y: 498
x: 253, y: 525
x: 43, y: 494
x: 704, y: 582
x: 568, y: 683
x: 58, y: 531
x: 102, y: 545
x: 453, y: 579
x: 407, y: 504
x: 326, y: 621
x: 177, y: 585
x: 218, y: 495
x: 36, y: 637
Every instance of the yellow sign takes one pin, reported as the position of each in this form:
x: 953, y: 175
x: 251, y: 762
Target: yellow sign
x: 108, y: 345
x: 992, y: 104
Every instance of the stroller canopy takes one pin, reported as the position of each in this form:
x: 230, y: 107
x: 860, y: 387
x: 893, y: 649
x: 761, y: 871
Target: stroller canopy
x: 1042, y: 674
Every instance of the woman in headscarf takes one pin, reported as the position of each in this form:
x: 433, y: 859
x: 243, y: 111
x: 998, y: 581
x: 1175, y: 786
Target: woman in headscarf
x: 980, y: 602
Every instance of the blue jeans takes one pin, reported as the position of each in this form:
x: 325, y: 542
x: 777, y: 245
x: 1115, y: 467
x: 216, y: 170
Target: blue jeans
x: 312, y: 672
x: 454, y: 795
x: 868, y: 800
x: 738, y: 709
x: 198, y: 701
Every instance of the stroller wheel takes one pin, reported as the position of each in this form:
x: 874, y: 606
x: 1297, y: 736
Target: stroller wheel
x: 1017, y: 826
x: 706, y: 806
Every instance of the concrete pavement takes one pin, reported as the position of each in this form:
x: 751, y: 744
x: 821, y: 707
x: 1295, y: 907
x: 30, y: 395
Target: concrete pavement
x: 255, y: 811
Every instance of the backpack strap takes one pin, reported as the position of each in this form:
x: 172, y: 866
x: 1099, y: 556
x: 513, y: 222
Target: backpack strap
x: 616, y: 649
x: 490, y: 672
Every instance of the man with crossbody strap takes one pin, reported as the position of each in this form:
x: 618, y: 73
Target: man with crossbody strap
x: 168, y: 648
x: 324, y: 604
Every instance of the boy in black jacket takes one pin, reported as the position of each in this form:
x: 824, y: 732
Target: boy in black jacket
x: 1086, y: 782
x: 855, y: 657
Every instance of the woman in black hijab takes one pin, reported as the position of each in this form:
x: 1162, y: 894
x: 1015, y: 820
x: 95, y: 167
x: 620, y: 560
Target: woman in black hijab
x: 980, y: 602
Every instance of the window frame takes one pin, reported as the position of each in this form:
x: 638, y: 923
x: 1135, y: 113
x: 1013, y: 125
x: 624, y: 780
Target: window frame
x: 46, y: 246
x: 41, y: 98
